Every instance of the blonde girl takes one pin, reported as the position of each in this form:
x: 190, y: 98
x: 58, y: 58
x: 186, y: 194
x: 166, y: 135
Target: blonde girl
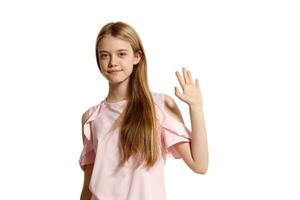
x: 130, y: 133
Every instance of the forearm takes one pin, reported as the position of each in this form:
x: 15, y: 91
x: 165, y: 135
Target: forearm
x: 199, y: 144
x: 85, y: 194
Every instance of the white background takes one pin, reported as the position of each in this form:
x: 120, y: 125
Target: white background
x: 246, y: 55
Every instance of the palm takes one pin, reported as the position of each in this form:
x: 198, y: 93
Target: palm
x: 191, y: 92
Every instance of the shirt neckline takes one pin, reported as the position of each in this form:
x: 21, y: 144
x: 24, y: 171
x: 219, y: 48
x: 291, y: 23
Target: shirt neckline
x: 114, y: 103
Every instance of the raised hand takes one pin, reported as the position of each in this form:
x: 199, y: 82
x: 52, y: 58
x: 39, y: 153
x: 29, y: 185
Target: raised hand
x: 191, y: 92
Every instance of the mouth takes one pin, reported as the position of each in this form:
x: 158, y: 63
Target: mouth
x: 113, y: 71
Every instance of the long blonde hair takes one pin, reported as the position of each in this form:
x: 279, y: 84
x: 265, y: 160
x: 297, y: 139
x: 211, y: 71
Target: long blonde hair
x: 138, y: 132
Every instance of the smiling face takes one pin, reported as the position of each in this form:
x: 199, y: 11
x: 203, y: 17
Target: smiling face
x: 116, y: 58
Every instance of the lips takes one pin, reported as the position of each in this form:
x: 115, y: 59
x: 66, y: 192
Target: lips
x: 113, y: 71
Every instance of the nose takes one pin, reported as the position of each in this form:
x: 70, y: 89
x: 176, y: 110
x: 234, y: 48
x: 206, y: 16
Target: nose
x: 113, y: 61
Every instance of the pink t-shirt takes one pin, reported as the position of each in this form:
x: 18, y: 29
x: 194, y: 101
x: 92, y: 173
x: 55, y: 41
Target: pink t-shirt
x: 100, y: 147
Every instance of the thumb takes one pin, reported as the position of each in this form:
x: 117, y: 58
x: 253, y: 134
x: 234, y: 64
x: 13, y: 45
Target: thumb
x: 177, y: 93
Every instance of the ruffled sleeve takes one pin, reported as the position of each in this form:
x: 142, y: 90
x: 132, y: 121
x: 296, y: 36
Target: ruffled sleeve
x: 172, y: 132
x: 87, y: 155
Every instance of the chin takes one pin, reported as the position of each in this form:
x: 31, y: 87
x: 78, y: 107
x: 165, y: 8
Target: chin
x: 119, y: 79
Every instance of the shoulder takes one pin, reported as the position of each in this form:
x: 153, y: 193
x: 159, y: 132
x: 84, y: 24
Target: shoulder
x: 163, y: 100
x: 168, y: 101
x: 170, y: 107
x: 84, y: 118
x: 159, y: 97
x: 86, y: 114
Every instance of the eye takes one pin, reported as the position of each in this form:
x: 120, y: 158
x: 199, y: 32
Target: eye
x: 122, y: 54
x: 103, y: 55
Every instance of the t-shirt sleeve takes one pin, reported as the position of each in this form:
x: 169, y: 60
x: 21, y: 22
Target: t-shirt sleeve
x: 172, y: 132
x: 87, y: 155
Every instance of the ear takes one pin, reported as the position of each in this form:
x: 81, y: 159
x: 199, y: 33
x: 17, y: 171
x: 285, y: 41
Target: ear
x: 137, y: 57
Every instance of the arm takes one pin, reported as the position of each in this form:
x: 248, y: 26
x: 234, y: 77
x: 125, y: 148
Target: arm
x: 86, y: 193
x: 88, y: 169
x: 194, y: 154
x: 192, y: 96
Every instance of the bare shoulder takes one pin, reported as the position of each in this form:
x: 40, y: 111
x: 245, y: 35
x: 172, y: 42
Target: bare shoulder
x: 171, y: 108
x: 184, y: 148
x: 85, y: 116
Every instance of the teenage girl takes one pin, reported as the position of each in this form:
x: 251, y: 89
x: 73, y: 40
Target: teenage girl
x: 129, y: 134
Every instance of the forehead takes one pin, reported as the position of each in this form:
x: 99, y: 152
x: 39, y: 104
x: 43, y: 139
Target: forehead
x: 112, y: 44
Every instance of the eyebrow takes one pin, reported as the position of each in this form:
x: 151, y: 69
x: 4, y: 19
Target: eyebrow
x: 101, y: 51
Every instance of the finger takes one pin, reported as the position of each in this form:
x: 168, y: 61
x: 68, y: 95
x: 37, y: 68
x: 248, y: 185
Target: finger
x: 190, y: 77
x: 181, y: 81
x: 177, y: 93
x: 176, y: 90
x: 185, y: 76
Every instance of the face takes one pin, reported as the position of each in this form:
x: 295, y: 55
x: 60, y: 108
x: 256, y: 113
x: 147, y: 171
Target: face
x: 116, y: 58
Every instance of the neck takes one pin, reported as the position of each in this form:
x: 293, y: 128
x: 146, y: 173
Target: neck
x: 117, y: 92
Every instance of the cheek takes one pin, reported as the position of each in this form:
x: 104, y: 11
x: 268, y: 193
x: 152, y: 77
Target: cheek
x: 104, y: 62
x: 127, y: 61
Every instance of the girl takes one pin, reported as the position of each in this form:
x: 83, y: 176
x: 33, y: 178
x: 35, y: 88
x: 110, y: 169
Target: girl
x: 127, y: 136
